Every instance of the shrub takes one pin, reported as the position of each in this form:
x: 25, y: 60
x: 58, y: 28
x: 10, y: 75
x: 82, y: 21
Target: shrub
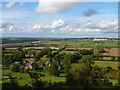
x: 15, y: 68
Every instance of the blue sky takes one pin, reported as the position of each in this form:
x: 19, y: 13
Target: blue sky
x: 34, y: 19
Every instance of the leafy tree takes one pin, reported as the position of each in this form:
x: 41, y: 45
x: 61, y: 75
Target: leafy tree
x: 53, y: 70
x: 18, y: 55
x: 113, y: 58
x: 43, y: 60
x: 118, y: 58
x: 119, y: 77
x: 36, y: 66
x: 75, y: 57
x: 86, y: 52
x: 45, y: 51
x: 108, y: 69
x: 15, y: 68
x: 78, y: 76
x: 87, y: 60
x: 97, y: 51
x: 67, y: 61
x: 6, y: 60
x: 38, y: 84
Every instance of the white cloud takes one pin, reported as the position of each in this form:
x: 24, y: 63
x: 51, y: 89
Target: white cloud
x: 57, y: 23
x: 36, y: 26
x: 10, y: 4
x: 53, y: 7
x: 107, y: 24
x: 61, y: 27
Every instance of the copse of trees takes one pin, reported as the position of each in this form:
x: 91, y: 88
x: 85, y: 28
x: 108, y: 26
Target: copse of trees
x: 78, y: 76
x: 45, y: 51
x: 17, y: 56
x: 6, y: 59
x: 53, y: 70
x: 86, y: 52
x: 43, y: 60
x: 88, y: 60
x: 67, y: 61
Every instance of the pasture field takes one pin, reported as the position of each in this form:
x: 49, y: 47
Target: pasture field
x: 85, y: 43
x: 25, y: 78
x: 51, y: 78
x: 114, y: 65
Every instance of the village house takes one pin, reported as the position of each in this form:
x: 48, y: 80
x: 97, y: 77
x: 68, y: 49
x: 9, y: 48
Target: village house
x: 29, y: 66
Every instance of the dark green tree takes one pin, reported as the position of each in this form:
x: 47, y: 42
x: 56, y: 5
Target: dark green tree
x: 18, y: 55
x: 113, y: 58
x: 53, y: 70
x: 67, y: 61
x: 78, y: 76
x: 45, y: 51
x: 87, y: 60
x: 15, y: 68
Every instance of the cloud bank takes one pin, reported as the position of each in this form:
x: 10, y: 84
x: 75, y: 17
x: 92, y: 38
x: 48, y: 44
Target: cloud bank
x: 62, y: 27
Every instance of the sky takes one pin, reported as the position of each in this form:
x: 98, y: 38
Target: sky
x: 59, y: 19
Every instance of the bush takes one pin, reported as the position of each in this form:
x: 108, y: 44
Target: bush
x: 53, y: 70
x: 15, y: 68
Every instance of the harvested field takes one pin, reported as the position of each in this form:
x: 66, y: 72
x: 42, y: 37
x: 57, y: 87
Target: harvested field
x: 112, y: 52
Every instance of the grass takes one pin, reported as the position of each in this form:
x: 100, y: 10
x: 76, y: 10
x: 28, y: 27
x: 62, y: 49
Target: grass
x: 51, y: 78
x: 67, y: 51
x: 114, y: 81
x: 106, y: 58
x: 114, y: 65
x: 25, y: 78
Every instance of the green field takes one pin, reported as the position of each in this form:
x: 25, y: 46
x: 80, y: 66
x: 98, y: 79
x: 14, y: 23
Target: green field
x: 51, y: 78
x: 114, y: 65
x: 25, y: 78
x: 83, y: 43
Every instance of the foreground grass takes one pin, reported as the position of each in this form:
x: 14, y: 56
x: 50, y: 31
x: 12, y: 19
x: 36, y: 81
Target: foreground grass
x: 51, y: 78
x: 25, y: 78
x: 114, y: 81
x: 114, y: 65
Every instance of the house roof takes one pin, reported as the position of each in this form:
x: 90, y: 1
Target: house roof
x: 33, y: 64
x: 48, y: 62
x: 55, y: 63
x: 28, y: 64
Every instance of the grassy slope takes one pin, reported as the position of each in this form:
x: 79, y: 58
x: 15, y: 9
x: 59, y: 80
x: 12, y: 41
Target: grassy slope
x: 25, y: 78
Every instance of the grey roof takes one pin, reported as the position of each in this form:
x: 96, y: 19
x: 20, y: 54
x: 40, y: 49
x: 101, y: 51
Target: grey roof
x: 55, y: 63
x: 48, y: 62
x: 28, y: 64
